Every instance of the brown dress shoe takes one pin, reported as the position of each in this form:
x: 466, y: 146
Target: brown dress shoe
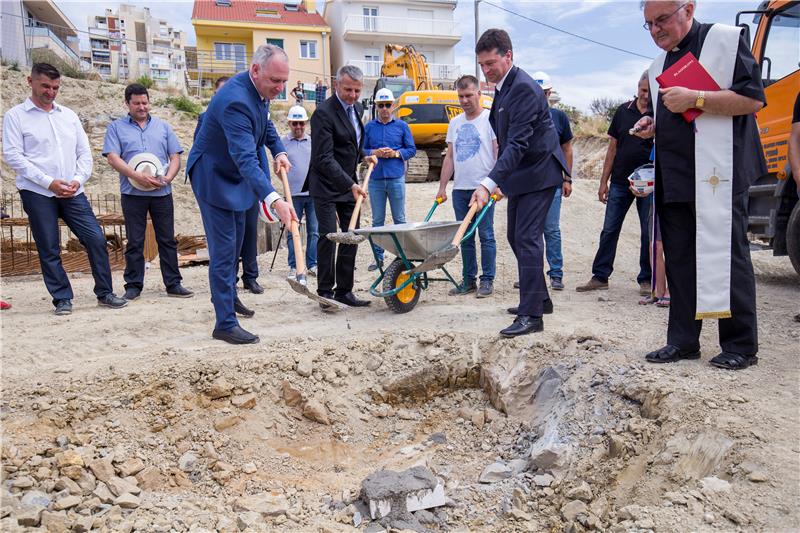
x: 593, y: 285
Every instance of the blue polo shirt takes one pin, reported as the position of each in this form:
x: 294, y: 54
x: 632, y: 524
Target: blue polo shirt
x: 396, y: 135
x: 125, y: 138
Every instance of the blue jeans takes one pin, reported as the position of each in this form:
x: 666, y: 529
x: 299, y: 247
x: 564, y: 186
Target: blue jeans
x: 552, y: 237
x: 304, y: 204
x: 43, y: 214
x: 485, y: 231
x: 619, y: 202
x: 380, y: 190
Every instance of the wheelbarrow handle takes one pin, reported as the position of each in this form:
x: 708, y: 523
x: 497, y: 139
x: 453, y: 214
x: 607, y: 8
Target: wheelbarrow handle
x: 492, y: 200
x: 436, y: 203
x: 360, y: 199
x: 294, y: 228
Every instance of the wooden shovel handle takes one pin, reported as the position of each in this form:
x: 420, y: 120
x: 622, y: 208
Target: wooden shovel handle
x: 465, y: 224
x: 360, y: 199
x: 294, y: 229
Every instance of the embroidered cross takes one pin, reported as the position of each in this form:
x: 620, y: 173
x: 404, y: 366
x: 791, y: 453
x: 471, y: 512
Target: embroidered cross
x: 714, y: 180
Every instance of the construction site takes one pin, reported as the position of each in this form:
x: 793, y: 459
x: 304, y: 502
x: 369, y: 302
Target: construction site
x: 136, y: 420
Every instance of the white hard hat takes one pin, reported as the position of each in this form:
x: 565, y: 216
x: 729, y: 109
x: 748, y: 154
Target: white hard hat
x: 542, y: 79
x: 297, y: 113
x: 643, y: 179
x: 384, y: 95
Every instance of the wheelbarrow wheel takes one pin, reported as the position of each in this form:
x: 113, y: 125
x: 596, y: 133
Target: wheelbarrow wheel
x: 406, y: 299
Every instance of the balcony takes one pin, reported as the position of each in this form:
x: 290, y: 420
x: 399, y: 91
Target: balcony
x: 205, y: 63
x: 439, y: 71
x: 418, y: 31
x: 43, y: 37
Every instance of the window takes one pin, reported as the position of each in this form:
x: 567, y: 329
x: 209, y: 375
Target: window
x: 223, y: 3
x: 291, y: 6
x: 308, y: 49
x: 268, y: 13
x: 370, y: 18
x: 143, y: 61
x: 231, y: 52
x: 782, y: 49
x: 372, y: 65
x: 276, y: 42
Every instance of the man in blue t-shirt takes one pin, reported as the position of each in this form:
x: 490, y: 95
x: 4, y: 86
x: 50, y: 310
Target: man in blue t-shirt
x: 552, y: 224
x: 135, y: 133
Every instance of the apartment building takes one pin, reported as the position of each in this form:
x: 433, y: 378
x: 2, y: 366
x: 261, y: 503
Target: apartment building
x: 360, y: 30
x: 31, y: 25
x: 130, y: 43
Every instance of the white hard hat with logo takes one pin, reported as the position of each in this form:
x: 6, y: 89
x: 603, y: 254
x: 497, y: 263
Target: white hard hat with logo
x: 542, y: 79
x: 384, y: 95
x: 297, y: 114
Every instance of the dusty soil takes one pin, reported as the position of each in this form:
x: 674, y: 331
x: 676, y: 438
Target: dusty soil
x: 580, y: 432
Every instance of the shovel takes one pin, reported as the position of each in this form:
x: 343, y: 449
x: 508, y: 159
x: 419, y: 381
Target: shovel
x: 440, y: 257
x: 299, y: 283
x: 349, y: 236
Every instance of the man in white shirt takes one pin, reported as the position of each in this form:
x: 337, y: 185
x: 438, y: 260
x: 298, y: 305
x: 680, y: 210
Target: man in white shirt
x: 46, y: 146
x: 471, y: 154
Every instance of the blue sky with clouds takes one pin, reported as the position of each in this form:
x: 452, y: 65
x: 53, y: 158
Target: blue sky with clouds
x: 580, y: 70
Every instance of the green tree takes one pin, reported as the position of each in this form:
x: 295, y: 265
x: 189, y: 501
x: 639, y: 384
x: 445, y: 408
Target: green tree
x: 145, y: 81
x: 605, y: 107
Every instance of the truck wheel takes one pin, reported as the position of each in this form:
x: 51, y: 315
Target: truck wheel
x: 405, y: 300
x: 793, y: 237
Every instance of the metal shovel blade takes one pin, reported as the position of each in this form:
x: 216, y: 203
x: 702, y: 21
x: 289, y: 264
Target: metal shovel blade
x: 435, y: 260
x: 300, y: 286
x: 347, y: 237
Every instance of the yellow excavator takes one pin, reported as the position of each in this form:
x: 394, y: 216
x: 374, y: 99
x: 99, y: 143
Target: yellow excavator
x: 427, y: 109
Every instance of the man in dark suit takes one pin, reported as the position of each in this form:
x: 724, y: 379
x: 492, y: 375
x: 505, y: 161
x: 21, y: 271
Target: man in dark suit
x: 530, y: 165
x: 229, y: 172
x: 337, y: 142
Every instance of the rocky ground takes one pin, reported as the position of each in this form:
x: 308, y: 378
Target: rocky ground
x: 136, y: 420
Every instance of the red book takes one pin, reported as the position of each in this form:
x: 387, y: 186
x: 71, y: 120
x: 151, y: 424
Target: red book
x: 689, y: 73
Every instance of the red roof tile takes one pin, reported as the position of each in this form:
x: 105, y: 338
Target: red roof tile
x: 245, y: 11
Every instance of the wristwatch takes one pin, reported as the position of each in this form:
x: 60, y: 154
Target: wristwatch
x: 701, y: 100
x: 569, y: 180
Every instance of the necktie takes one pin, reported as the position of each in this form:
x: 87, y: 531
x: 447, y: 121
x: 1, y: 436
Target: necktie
x: 352, y: 112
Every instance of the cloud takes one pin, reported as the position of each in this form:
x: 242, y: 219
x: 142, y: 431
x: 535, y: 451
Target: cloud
x: 618, y: 81
x: 583, y: 7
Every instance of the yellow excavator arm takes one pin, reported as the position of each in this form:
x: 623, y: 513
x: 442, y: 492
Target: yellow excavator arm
x: 409, y: 63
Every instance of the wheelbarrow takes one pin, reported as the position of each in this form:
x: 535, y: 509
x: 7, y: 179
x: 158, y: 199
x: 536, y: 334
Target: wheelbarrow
x: 414, y: 243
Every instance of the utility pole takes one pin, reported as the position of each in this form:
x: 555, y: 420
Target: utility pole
x: 477, y: 71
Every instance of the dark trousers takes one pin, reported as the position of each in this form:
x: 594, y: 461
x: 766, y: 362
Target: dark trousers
x: 737, y: 334
x: 162, y: 213
x: 526, y: 216
x: 43, y: 214
x: 224, y: 233
x: 334, y: 267
x: 619, y: 202
x: 250, y: 246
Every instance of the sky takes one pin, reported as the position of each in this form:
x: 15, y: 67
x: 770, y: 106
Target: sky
x: 579, y: 70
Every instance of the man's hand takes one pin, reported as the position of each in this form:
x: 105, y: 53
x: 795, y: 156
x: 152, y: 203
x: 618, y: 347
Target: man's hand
x: 61, y: 188
x: 638, y: 194
x: 566, y: 189
x: 285, y: 212
x: 282, y: 161
x: 358, y: 191
x: 383, y: 152
x: 480, y: 197
x: 678, y: 99
x: 442, y: 193
x: 602, y: 191
x: 644, y: 128
x: 370, y: 160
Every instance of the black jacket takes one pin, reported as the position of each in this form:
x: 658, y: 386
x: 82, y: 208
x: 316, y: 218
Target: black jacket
x: 530, y: 158
x: 335, y: 153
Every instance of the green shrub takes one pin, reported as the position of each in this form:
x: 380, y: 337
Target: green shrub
x: 145, y: 81
x: 185, y: 104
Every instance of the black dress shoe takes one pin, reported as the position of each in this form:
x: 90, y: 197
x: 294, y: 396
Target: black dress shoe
x: 670, y: 354
x: 63, y: 307
x: 547, y: 308
x: 523, y: 325
x: 235, y: 335
x: 179, y: 291
x: 112, y: 300
x: 131, y: 293
x: 253, y: 286
x: 241, y: 309
x: 351, y: 300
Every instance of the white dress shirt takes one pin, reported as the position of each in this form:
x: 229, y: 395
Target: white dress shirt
x: 42, y: 146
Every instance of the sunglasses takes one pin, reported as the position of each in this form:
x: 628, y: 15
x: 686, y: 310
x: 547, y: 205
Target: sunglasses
x: 298, y: 123
x: 384, y: 105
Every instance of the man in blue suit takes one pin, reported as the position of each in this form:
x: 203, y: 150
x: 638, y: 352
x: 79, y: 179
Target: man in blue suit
x: 229, y: 172
x: 530, y: 165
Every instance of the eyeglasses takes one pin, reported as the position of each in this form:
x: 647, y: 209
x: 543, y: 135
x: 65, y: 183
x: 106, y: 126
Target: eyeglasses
x: 297, y: 123
x: 660, y: 21
x: 382, y: 106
